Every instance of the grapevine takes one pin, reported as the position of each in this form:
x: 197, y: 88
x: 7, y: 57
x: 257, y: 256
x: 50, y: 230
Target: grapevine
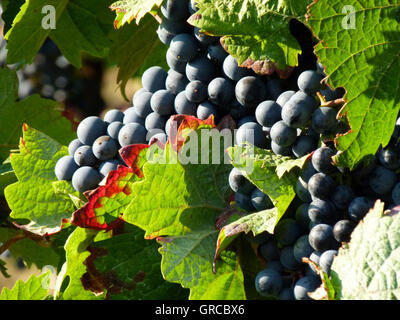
x: 256, y: 161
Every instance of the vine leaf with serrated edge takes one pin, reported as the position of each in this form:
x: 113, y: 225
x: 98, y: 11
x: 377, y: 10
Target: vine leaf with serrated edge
x: 33, y: 197
x: 255, y: 32
x: 364, y: 59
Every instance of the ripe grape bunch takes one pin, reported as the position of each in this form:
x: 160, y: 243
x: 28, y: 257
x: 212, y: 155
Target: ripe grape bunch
x: 203, y: 80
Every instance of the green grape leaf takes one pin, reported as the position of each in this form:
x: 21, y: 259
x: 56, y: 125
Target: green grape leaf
x: 273, y: 175
x: 43, y: 114
x: 35, y: 288
x: 132, y: 46
x: 255, y: 32
x: 261, y: 167
x: 74, y: 267
x: 187, y: 260
x: 367, y: 268
x: 128, y: 267
x: 30, y: 251
x: 179, y: 201
x: 127, y: 10
x: 364, y: 59
x: 79, y: 27
x: 33, y: 198
x: 175, y: 198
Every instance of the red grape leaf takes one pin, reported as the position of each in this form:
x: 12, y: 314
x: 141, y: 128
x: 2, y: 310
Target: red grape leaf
x: 106, y: 204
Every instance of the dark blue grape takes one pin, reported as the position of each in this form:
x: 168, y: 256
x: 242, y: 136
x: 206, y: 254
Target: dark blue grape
x: 203, y: 38
x: 73, y: 145
x: 314, y: 257
x: 302, y: 217
x: 184, y: 47
x: 131, y: 116
x: 286, y: 294
x: 90, y: 129
x: 114, y: 128
x: 250, y: 91
x: 324, y: 120
x: 85, y: 179
x: 282, y: 134
x: 114, y: 115
x: 359, y: 207
x: 162, y: 102
x: 155, y: 121
x: 322, y: 160
x: 239, y: 183
x: 304, y: 286
x: 175, y: 10
x: 141, y: 102
x: 297, y: 112
x: 308, y: 171
x: 342, y: 196
x: 321, y: 238
x: 389, y: 159
x: 233, y: 71
x: 221, y: 91
x: 301, y: 189
x: 206, y: 109
x: 288, y: 260
x: 176, y: 82
x: 309, y: 81
x: 268, y: 283
x: 244, y: 201
x: 268, y: 113
x: 342, y: 230
x: 132, y: 133
x: 396, y: 194
x: 196, y: 91
x: 287, y: 231
x: 382, y: 180
x: 304, y: 145
x: 331, y: 95
x: 183, y: 106
x: 260, y: 200
x: 275, y: 265
x: 105, y: 148
x: 274, y: 88
x: 326, y: 259
x: 174, y: 63
x: 321, y: 185
x: 269, y: 250
x: 201, y: 69
x: 321, y: 211
x: 302, y: 248
x: 109, y: 165
x: 153, y: 79
x: 65, y: 168
x: 253, y: 133
x: 216, y: 53
x: 279, y: 150
x: 172, y: 28
x: 285, y: 97
x: 84, y: 156
x: 164, y: 34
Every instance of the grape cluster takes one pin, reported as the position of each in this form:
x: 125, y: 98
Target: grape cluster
x: 52, y: 76
x: 203, y: 80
